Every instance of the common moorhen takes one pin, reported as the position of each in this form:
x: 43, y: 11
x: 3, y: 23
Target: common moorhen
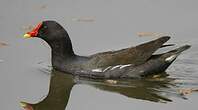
x: 132, y: 62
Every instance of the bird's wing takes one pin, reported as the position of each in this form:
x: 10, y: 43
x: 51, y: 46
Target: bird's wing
x: 133, y: 55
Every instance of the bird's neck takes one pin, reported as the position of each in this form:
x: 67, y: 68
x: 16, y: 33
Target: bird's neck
x: 62, y: 52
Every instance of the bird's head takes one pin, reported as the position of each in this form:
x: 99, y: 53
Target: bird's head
x: 48, y: 31
x: 55, y: 35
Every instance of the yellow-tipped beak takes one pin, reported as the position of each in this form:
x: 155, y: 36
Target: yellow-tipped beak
x: 26, y: 106
x: 27, y: 36
x: 23, y: 104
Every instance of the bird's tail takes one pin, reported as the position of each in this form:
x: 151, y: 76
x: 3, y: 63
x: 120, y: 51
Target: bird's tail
x: 159, y: 63
x: 180, y: 49
x: 172, y: 55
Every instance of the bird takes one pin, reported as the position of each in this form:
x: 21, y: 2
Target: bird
x: 129, y: 63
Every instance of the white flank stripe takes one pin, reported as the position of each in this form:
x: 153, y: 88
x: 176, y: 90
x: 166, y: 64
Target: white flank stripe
x: 106, y: 68
x: 114, y: 67
x: 123, y: 66
x: 97, y: 70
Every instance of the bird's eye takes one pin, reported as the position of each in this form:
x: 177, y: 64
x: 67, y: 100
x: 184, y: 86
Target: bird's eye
x: 45, y: 27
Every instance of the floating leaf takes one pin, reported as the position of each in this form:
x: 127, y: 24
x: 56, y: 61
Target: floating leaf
x: 83, y: 19
x: 40, y: 7
x: 3, y: 44
x: 43, y: 7
x: 187, y: 91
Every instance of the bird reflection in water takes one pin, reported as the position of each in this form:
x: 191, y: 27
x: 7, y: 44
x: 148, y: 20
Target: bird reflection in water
x: 150, y: 89
x: 58, y: 96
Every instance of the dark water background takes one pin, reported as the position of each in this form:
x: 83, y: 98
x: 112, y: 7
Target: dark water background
x: 96, y: 26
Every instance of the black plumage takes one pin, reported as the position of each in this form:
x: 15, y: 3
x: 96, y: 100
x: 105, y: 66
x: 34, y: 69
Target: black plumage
x: 133, y: 62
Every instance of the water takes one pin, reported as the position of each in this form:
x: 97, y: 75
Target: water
x: 96, y: 26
